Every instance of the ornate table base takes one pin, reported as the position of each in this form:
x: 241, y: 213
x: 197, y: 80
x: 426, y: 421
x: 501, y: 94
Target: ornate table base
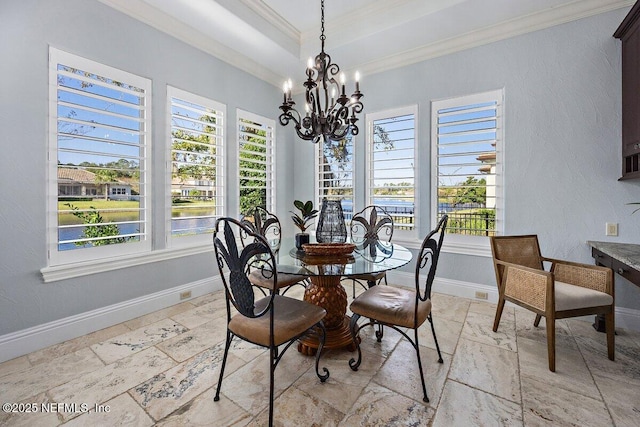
x: 328, y: 293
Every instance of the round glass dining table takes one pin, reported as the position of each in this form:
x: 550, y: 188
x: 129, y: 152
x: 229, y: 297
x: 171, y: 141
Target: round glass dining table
x: 326, y: 291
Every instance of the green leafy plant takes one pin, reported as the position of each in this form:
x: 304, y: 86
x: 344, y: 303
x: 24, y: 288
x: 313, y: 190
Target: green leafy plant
x: 636, y: 203
x: 307, y: 213
x: 96, y: 229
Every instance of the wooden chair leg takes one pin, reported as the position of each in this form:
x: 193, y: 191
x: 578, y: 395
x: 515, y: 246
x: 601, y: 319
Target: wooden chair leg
x: 499, y: 309
x: 551, y: 342
x: 537, y: 321
x: 609, y: 320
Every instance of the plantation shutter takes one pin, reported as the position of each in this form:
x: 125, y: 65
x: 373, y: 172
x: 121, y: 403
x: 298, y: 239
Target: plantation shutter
x: 334, y: 169
x: 98, y: 152
x: 467, y: 132
x: 255, y: 162
x: 197, y: 165
x: 391, y: 165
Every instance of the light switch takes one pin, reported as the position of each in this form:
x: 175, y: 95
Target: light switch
x: 612, y: 229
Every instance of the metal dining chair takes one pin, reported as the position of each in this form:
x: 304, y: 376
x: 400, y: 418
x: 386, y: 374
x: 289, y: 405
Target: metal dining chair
x: 402, y: 308
x: 271, y: 322
x: 368, y: 227
x: 267, y: 225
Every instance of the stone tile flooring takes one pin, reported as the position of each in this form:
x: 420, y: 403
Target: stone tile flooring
x: 162, y: 369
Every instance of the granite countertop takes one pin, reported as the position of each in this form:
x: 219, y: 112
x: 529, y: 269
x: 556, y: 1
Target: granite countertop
x: 624, y: 252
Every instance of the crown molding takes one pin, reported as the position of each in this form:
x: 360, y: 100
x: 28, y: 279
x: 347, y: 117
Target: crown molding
x: 534, y: 22
x: 165, y: 23
x: 264, y: 11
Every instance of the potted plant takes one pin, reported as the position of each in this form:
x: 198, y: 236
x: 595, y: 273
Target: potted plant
x: 301, y: 220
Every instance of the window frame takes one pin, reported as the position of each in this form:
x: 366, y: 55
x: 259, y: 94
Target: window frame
x: 269, y: 124
x: 57, y: 259
x: 458, y: 243
x: 201, y: 239
x: 409, y: 237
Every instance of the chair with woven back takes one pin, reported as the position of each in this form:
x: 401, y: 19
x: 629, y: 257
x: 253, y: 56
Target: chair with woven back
x: 267, y: 225
x: 568, y: 289
x: 274, y: 321
x: 402, y: 308
x: 370, y: 227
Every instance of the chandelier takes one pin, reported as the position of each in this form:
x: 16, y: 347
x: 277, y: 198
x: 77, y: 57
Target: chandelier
x: 326, y: 116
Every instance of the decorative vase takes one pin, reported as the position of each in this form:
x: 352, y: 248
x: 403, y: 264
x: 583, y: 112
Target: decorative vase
x: 331, y: 226
x: 301, y: 239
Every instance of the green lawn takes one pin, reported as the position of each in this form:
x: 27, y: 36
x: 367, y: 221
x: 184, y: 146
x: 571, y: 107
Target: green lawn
x: 128, y: 209
x: 99, y: 204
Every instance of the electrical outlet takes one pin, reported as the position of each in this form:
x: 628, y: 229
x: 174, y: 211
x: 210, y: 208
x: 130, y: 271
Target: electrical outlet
x: 612, y: 229
x: 482, y: 295
x: 185, y: 295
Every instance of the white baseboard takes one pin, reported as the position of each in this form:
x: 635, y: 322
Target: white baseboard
x: 626, y: 318
x: 28, y: 340
x: 447, y: 286
x: 35, y: 338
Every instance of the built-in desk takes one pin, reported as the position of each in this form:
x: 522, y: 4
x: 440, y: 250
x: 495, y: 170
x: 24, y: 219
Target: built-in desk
x: 622, y: 258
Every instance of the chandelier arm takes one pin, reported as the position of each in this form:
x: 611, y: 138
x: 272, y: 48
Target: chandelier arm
x: 287, y: 116
x: 357, y: 107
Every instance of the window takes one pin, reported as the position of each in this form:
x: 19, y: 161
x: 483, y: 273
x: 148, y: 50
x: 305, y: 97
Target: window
x: 197, y: 169
x: 467, y: 138
x: 99, y: 121
x: 255, y: 162
x: 390, y: 166
x: 334, y: 168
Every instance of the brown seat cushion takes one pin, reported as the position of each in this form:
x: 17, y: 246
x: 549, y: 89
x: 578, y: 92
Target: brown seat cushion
x: 391, y: 305
x: 257, y: 278
x: 291, y: 318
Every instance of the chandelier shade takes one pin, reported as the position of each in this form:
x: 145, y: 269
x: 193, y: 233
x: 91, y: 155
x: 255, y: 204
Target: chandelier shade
x: 326, y: 116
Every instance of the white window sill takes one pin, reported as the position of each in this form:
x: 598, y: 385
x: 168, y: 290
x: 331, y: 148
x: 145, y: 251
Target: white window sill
x: 467, y: 248
x: 457, y: 246
x: 79, y: 269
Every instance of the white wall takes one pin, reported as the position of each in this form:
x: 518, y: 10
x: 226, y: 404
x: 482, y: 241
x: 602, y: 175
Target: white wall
x: 95, y: 31
x: 562, y: 138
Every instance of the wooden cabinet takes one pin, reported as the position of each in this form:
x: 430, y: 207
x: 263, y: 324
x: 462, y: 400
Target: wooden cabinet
x: 629, y: 33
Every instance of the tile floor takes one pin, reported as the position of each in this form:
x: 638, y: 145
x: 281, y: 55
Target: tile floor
x: 162, y: 369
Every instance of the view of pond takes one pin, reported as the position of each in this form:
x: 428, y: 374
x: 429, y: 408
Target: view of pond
x: 181, y: 226
x: 196, y: 220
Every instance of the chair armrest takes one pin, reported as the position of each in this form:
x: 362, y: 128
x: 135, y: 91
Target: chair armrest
x: 588, y: 276
x: 530, y: 286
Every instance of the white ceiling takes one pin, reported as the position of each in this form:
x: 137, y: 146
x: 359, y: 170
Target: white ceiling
x: 272, y: 39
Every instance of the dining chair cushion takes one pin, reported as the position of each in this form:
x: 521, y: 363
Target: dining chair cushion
x: 291, y: 318
x: 257, y: 278
x: 570, y: 297
x: 391, y: 305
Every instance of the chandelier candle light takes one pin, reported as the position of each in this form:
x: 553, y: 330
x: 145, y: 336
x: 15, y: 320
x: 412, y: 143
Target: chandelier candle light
x: 338, y: 116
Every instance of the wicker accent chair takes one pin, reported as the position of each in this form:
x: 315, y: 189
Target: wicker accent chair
x: 402, y: 308
x: 270, y: 322
x: 267, y: 225
x: 369, y: 227
x: 569, y: 289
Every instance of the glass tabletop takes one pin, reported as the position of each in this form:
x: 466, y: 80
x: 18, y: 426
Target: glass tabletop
x: 365, y: 259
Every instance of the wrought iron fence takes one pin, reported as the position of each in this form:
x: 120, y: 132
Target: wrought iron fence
x: 482, y: 223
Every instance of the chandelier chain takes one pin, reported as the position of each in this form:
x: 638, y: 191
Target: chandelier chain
x: 322, y: 36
